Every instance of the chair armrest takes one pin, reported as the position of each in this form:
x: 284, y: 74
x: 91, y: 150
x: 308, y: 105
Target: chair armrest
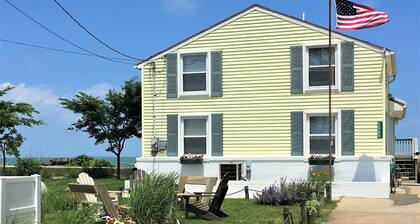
x: 200, y: 193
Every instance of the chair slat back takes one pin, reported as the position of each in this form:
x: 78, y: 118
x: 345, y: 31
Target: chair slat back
x: 109, y: 207
x: 208, y: 182
x: 85, y: 179
x: 102, y: 194
x: 220, y: 195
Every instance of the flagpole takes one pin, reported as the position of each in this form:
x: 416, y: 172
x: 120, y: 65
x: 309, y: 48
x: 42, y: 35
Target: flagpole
x: 330, y: 144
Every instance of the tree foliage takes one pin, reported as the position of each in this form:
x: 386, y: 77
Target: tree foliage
x: 111, y: 120
x: 13, y: 115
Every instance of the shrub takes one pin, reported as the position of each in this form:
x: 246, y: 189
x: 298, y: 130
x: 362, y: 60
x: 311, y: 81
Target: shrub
x: 153, y: 199
x: 45, y: 174
x: 82, y: 160
x: 72, y: 173
x: 100, y: 169
x: 288, y: 192
x: 28, y: 166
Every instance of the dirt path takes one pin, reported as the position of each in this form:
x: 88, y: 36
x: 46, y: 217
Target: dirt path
x: 400, y: 208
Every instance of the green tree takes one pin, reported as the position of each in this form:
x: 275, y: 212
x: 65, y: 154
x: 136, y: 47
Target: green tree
x: 111, y: 120
x: 13, y: 115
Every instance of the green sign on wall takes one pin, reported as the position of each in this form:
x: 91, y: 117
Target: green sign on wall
x: 380, y: 130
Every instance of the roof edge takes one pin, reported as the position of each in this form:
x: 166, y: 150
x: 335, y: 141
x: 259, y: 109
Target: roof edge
x: 271, y: 11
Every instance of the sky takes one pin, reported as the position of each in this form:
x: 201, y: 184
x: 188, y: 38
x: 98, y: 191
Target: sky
x: 140, y: 28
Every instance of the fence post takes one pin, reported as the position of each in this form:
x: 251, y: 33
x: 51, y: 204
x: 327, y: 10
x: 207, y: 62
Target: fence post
x: 3, y: 207
x: 328, y: 191
x: 286, y: 216
x: 303, y: 212
x: 37, y: 199
x: 246, y: 192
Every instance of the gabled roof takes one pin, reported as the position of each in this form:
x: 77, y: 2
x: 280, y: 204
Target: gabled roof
x: 271, y: 12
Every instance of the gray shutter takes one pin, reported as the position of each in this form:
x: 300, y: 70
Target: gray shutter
x: 217, y: 134
x: 347, y: 66
x: 216, y: 74
x: 347, y: 132
x: 296, y: 69
x: 172, y: 134
x: 171, y: 75
x: 296, y: 126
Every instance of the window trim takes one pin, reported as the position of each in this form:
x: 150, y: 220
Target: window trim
x: 337, y: 54
x: 306, y: 130
x: 181, y: 118
x: 180, y: 66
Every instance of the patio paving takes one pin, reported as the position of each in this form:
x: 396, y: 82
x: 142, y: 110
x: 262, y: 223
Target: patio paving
x: 402, y: 207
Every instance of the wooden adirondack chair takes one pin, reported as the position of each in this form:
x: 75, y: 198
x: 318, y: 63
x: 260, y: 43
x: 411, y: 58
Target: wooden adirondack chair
x: 85, y: 179
x: 208, y: 182
x: 213, y: 211
x: 98, y: 191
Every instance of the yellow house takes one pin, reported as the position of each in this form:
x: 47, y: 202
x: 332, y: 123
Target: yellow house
x: 251, y: 95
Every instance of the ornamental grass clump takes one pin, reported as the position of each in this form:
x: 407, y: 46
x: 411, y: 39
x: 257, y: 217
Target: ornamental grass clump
x: 153, y: 199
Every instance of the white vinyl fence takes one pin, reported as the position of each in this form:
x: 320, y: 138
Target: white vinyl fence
x: 20, y: 199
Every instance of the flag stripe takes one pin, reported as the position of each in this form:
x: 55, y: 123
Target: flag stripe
x: 363, y: 25
x: 367, y: 19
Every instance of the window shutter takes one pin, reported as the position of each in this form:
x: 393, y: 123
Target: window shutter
x: 217, y: 134
x: 296, y: 125
x: 216, y: 74
x: 171, y: 75
x: 347, y: 132
x: 347, y: 66
x: 296, y: 69
x: 172, y: 134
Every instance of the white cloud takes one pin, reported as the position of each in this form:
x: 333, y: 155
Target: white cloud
x: 46, y: 100
x: 98, y: 90
x: 180, y: 7
x: 35, y: 95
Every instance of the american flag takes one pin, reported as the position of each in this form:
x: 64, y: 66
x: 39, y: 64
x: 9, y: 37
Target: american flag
x: 353, y: 16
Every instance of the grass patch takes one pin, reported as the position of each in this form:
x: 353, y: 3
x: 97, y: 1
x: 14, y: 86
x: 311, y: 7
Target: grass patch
x: 247, y: 211
x: 59, y: 204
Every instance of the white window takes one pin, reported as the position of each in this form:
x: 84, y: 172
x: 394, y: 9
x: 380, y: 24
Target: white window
x: 316, y: 129
x: 194, y: 135
x: 317, y: 68
x: 194, y: 73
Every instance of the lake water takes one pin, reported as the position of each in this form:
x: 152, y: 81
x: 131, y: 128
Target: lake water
x: 125, y: 161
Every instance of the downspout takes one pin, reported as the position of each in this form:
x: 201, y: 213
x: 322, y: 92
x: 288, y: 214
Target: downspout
x: 154, y: 98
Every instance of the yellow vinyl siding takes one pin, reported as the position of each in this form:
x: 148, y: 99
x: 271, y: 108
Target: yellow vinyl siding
x: 257, y: 102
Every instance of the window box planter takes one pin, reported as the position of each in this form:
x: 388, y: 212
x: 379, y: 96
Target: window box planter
x: 320, y: 160
x: 191, y: 159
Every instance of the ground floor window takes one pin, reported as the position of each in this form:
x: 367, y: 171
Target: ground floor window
x: 194, y: 135
x: 234, y: 170
x: 318, y: 133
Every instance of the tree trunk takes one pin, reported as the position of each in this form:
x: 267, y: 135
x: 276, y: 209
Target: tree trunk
x: 118, y: 176
x: 4, y: 160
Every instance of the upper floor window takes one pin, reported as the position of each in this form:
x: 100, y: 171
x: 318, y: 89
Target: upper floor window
x: 194, y: 77
x: 317, y: 68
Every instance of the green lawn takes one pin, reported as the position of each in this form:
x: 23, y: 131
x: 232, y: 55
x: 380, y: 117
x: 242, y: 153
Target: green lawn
x: 58, y: 203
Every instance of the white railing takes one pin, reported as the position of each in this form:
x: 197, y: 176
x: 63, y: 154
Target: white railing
x: 20, y: 199
x: 406, y: 146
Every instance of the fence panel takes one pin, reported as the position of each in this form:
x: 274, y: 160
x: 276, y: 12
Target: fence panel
x: 20, y: 199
